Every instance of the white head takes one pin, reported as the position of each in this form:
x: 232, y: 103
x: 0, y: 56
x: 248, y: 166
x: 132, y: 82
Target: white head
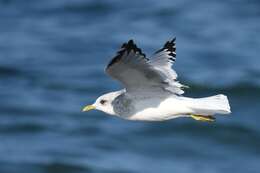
x: 103, y: 103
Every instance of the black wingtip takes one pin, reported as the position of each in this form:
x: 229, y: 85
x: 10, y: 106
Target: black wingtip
x: 170, y: 45
x: 173, y: 40
x: 130, y: 45
x: 170, y: 42
x: 131, y: 41
x: 126, y: 47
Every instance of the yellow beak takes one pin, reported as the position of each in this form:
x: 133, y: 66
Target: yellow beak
x: 88, y: 108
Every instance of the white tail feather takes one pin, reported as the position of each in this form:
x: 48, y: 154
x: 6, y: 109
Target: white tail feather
x: 217, y: 104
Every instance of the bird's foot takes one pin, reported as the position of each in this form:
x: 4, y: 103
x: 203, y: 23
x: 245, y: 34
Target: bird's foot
x: 205, y: 118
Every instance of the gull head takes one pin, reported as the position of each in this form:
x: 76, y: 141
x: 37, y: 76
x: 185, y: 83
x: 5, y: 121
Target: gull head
x: 103, y: 103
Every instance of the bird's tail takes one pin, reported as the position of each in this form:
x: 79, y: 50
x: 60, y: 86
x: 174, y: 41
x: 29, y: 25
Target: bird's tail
x: 217, y: 104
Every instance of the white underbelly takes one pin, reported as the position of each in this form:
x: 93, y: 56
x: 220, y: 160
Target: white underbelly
x: 159, y: 110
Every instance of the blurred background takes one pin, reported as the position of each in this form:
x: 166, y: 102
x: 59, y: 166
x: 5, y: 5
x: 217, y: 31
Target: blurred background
x: 52, y: 56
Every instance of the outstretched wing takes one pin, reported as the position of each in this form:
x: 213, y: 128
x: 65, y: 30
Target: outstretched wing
x: 136, y: 72
x: 162, y: 60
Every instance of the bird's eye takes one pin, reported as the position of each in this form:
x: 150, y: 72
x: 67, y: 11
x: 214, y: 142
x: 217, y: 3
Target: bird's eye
x: 103, y: 101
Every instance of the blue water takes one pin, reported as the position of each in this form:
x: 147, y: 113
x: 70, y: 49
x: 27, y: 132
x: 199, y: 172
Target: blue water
x: 52, y: 56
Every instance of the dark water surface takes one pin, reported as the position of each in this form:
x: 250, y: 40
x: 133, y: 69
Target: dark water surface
x: 52, y: 56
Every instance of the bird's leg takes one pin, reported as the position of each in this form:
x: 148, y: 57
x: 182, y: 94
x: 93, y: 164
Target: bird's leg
x: 205, y: 118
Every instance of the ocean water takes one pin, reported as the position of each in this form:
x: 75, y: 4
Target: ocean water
x: 52, y: 56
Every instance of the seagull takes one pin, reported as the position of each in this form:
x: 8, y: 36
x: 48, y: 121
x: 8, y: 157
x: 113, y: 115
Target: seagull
x: 151, y: 90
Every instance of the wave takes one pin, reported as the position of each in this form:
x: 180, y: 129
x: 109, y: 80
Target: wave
x: 241, y: 89
x: 9, y: 71
x: 50, y: 166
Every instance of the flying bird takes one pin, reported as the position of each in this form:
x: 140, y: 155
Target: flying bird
x: 151, y: 90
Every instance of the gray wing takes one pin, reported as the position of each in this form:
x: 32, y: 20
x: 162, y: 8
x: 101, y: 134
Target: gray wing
x: 136, y: 72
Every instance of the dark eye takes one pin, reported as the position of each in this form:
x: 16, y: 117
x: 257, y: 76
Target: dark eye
x: 103, y: 101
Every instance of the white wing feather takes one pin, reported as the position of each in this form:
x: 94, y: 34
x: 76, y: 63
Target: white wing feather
x: 162, y: 61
